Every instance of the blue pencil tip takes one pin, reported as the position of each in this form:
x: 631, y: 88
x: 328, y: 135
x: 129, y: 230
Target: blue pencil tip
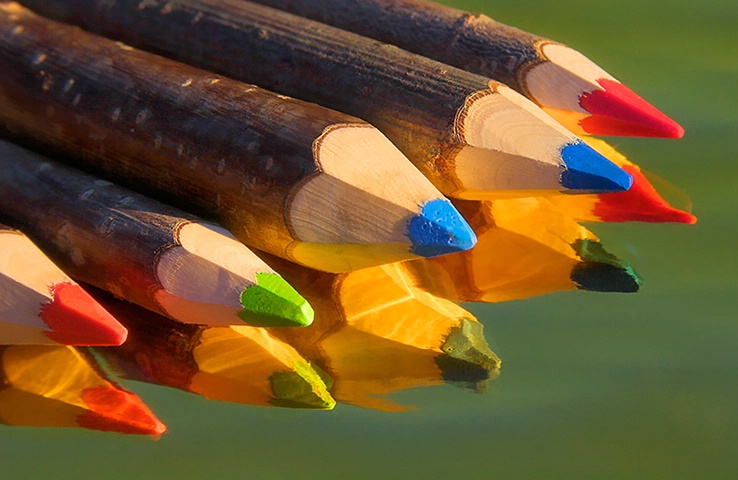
x: 440, y: 229
x: 589, y: 172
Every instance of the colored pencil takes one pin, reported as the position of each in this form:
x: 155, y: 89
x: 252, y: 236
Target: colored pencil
x: 641, y: 203
x: 41, y: 305
x: 54, y: 386
x: 526, y: 248
x: 313, y: 185
x: 471, y: 136
x: 374, y: 333
x: 568, y: 85
x: 231, y: 364
x: 156, y: 256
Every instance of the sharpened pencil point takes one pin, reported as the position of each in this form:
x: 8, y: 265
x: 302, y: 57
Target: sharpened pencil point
x: 588, y: 171
x: 301, y: 388
x: 76, y: 319
x: 641, y: 203
x: 601, y: 271
x: 114, y: 410
x: 272, y: 302
x: 440, y: 229
x: 617, y: 110
x: 466, y: 354
x: 603, y: 277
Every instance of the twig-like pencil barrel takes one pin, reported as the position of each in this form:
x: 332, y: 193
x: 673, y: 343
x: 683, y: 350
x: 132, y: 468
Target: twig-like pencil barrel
x: 567, y: 84
x: 154, y: 255
x: 471, y: 136
x: 309, y: 184
x: 472, y: 42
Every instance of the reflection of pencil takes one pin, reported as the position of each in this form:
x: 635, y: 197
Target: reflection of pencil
x: 642, y: 203
x: 526, y: 248
x: 566, y: 83
x: 141, y: 250
x: 320, y: 187
x: 231, y: 364
x: 468, y: 134
x: 374, y: 333
x: 48, y: 386
x: 40, y: 304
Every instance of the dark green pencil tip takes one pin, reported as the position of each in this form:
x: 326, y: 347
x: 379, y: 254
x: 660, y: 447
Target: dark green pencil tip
x: 603, y: 277
x: 300, y: 388
x: 466, y: 355
x: 272, y: 302
x: 601, y: 271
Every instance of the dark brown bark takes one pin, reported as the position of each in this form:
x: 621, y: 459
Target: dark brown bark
x: 475, y: 43
x: 220, y: 148
x: 95, y: 231
x: 412, y: 99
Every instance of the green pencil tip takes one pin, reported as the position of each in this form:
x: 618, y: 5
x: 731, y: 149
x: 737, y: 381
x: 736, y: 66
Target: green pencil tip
x: 301, y: 388
x: 601, y: 271
x: 603, y: 277
x: 272, y: 302
x: 466, y: 355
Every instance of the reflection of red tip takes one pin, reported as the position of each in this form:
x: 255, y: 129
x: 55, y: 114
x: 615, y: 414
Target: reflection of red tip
x: 641, y: 203
x: 617, y: 110
x: 75, y: 318
x: 113, y: 410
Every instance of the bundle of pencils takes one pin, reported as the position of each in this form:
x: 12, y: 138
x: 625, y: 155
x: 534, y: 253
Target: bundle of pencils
x: 231, y: 171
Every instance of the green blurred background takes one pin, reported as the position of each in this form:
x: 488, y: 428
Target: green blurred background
x: 593, y: 386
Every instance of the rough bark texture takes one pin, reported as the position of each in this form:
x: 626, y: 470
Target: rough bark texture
x: 95, y: 231
x: 226, y: 150
x: 475, y: 43
x: 412, y: 99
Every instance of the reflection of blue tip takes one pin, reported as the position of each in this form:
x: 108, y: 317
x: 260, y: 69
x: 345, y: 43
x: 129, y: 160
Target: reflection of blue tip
x: 440, y: 229
x: 588, y: 171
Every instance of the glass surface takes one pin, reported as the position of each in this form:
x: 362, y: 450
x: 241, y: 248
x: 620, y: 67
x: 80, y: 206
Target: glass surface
x: 637, y: 386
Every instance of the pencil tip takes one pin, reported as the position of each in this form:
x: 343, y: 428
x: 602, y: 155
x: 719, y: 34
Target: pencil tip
x: 601, y: 271
x: 603, y: 277
x: 588, y: 171
x: 440, y: 229
x: 466, y: 354
x: 75, y: 318
x: 301, y: 388
x: 617, y: 110
x: 641, y: 203
x: 272, y: 302
x: 115, y: 410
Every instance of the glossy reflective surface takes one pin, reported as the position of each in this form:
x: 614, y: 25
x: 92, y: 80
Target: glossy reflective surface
x: 636, y: 386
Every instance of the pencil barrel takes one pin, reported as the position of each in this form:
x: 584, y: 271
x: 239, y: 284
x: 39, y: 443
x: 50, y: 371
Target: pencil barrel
x: 217, y: 147
x: 89, y: 227
x: 411, y: 99
x: 475, y: 43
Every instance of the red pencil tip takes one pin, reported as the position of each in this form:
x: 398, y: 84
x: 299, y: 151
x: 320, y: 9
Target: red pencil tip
x: 75, y: 318
x: 642, y: 203
x: 114, y: 410
x: 617, y: 110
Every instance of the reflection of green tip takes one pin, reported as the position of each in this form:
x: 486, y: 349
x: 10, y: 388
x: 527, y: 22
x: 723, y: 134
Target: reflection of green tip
x: 603, y: 277
x: 466, y: 354
x: 272, y: 302
x: 300, y: 388
x: 601, y: 271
